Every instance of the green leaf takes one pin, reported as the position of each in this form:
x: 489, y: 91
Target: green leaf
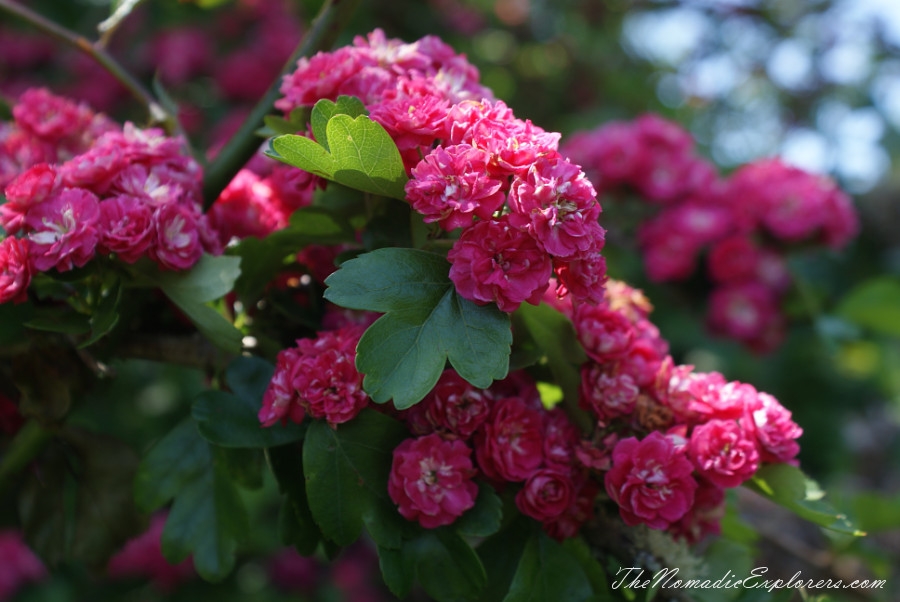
x: 398, y: 570
x: 447, y: 567
x: 548, y: 571
x: 876, y: 511
x: 231, y: 419
x: 366, y: 157
x: 483, y: 519
x: 106, y: 314
x: 500, y: 555
x: 579, y: 549
x: 62, y: 320
x: 554, y: 335
x: 207, y: 517
x: 304, y: 153
x: 261, y: 260
x: 325, y: 109
x: 297, y: 526
x: 354, y: 151
x: 787, y: 486
x: 874, y: 304
x: 13, y: 317
x: 427, y: 323
x: 209, y: 279
x: 243, y: 466
x: 346, y: 470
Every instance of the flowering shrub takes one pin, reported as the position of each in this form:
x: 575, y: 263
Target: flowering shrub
x: 745, y: 224
x: 407, y: 315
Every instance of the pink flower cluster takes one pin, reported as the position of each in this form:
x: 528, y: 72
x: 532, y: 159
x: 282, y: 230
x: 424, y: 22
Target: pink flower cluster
x: 515, y: 439
x: 743, y: 224
x: 316, y: 377
x: 77, y: 185
x: 525, y: 211
x: 678, y: 437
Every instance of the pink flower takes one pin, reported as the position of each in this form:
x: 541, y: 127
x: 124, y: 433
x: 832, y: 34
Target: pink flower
x: 451, y: 185
x: 454, y: 407
x: 546, y: 495
x: 606, y: 393
x: 610, y: 155
x: 651, y: 481
x: 94, y: 168
x: 30, y: 188
x: 604, y: 333
x: 51, y: 117
x: 494, y: 262
x: 510, y: 445
x: 561, y: 437
x: 775, y: 432
x: 723, y: 452
x: 143, y: 557
x: 246, y: 208
x: 176, y: 244
x: 318, y: 377
x: 742, y: 311
x: 554, y: 202
x: 569, y: 522
x: 18, y: 564
x: 415, y: 117
x: 281, y: 402
x: 126, y: 228
x: 321, y: 77
x: 734, y: 259
x: 705, y: 516
x: 431, y: 480
x: 15, y: 270
x: 583, y: 277
x: 63, y: 230
x: 669, y: 253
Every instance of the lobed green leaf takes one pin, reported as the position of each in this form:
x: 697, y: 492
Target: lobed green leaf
x: 207, y: 518
x: 427, y: 324
x: 325, y: 109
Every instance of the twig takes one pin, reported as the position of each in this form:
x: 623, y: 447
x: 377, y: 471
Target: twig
x: 331, y: 20
x: 189, y: 351
x: 158, y: 113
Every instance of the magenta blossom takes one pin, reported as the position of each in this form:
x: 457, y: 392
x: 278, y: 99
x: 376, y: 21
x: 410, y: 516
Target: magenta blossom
x: 431, y: 480
x: 63, y: 230
x: 15, y: 270
x: 494, y: 262
x: 651, y: 481
x: 723, y: 452
x: 451, y: 186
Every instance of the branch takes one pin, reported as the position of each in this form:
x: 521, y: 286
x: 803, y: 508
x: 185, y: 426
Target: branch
x: 190, y: 351
x: 158, y: 114
x: 326, y: 27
